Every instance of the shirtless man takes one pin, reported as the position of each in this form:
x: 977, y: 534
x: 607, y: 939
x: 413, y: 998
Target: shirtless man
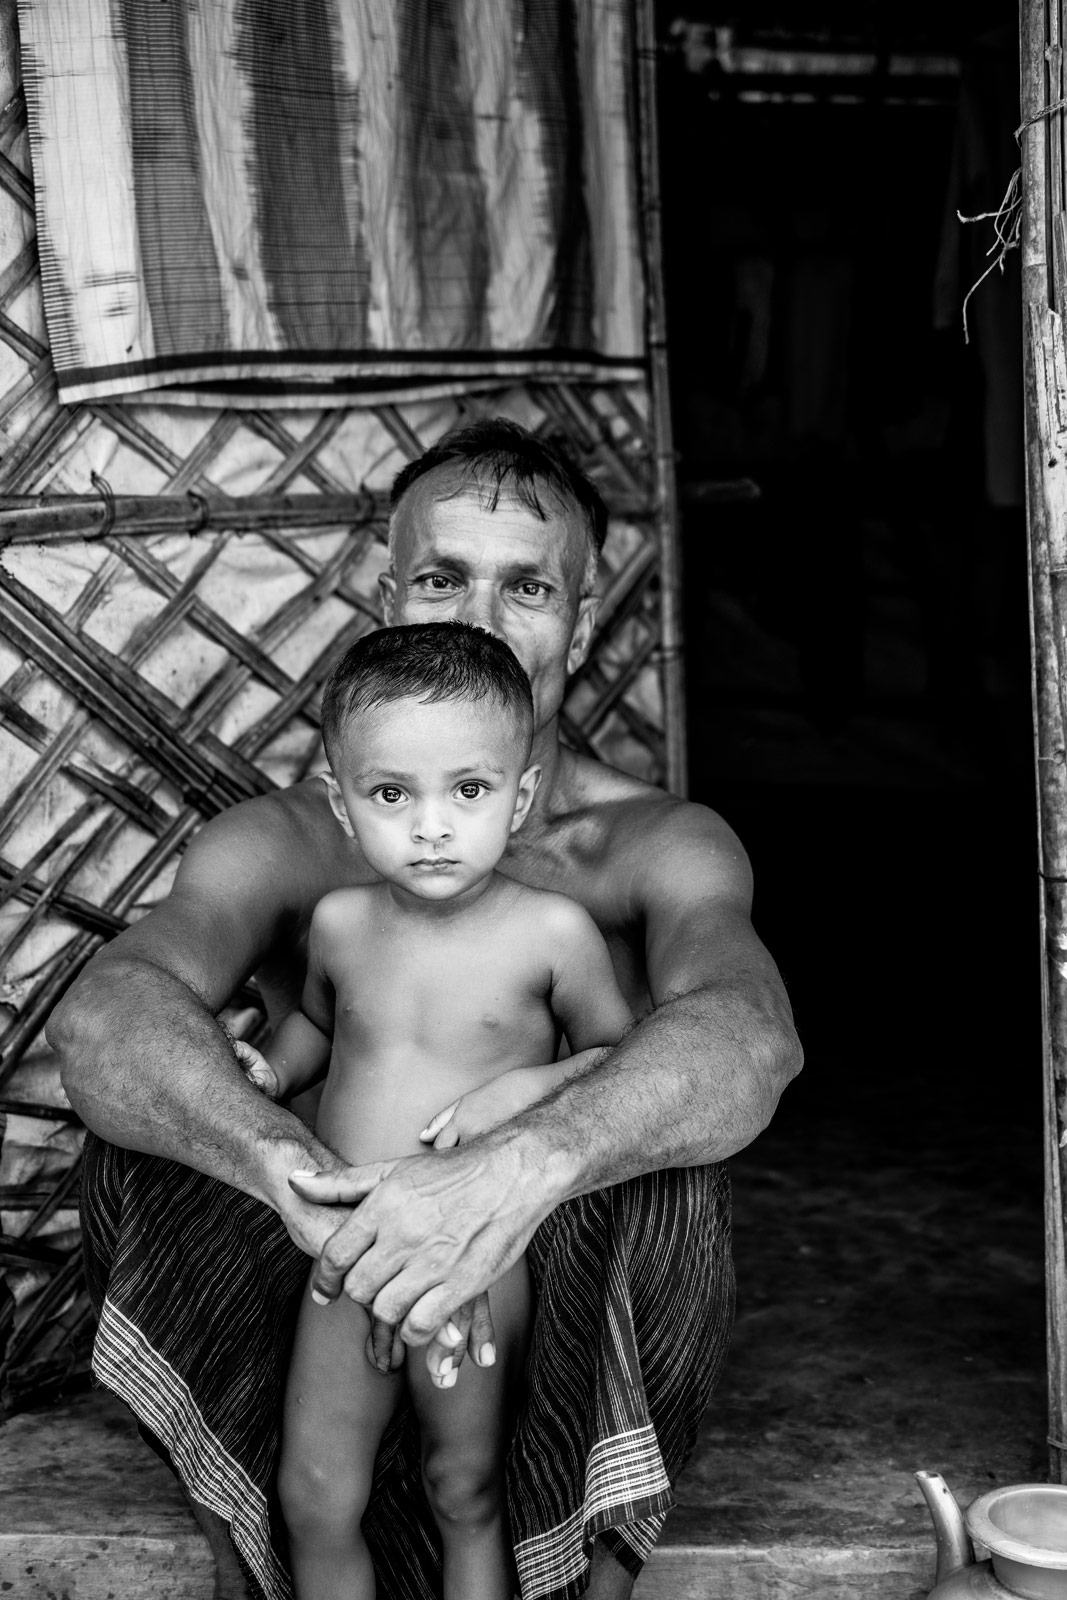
x: 487, y: 530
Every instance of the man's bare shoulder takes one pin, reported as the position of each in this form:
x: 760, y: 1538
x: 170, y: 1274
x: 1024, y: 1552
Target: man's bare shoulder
x: 302, y: 809
x: 285, y: 832
x: 644, y: 829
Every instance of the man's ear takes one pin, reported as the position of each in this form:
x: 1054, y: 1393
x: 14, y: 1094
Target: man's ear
x: 582, y: 635
x: 524, y: 799
x: 387, y: 590
x: 337, y: 805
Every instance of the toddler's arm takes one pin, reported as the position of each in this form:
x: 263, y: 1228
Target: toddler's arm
x: 299, y: 1051
x: 586, y: 999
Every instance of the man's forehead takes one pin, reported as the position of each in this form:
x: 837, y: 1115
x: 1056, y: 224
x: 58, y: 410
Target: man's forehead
x: 448, y: 509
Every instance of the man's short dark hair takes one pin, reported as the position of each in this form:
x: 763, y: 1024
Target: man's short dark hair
x: 428, y: 661
x: 498, y: 455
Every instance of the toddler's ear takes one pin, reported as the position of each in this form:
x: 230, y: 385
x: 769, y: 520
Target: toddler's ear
x: 524, y: 799
x: 337, y: 805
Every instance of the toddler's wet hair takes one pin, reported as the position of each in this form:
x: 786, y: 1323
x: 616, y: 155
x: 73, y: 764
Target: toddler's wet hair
x: 428, y: 661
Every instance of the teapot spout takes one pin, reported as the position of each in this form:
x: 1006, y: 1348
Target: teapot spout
x: 954, y: 1548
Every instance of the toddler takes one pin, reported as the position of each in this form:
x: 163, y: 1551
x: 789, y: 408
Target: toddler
x: 432, y: 979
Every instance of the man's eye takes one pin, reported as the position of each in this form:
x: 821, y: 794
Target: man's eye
x: 532, y: 591
x: 471, y: 791
x: 389, y: 794
x: 440, y: 582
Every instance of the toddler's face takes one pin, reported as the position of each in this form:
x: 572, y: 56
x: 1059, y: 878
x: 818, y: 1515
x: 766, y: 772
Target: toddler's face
x: 433, y: 792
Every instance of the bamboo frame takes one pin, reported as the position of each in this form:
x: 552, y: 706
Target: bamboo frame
x: 1045, y: 377
x: 672, y: 664
x: 169, y: 768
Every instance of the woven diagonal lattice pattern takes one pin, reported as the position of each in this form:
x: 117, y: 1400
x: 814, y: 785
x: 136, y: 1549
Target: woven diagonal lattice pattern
x: 146, y: 682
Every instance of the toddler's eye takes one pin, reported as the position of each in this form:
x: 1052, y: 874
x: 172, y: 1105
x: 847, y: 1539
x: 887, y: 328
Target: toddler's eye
x: 390, y: 794
x: 471, y: 791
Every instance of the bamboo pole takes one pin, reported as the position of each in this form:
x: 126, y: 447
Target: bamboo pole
x: 672, y: 666
x: 53, y: 520
x: 1046, y: 497
x: 61, y: 519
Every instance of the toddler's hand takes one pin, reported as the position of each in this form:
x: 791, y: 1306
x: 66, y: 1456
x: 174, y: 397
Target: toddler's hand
x: 484, y: 1108
x: 257, y: 1069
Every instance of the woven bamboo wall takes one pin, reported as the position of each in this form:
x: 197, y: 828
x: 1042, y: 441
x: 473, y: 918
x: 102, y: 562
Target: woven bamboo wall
x: 174, y: 583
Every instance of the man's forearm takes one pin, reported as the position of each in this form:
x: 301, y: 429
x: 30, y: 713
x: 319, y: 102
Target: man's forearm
x: 694, y: 1082
x: 146, y: 1065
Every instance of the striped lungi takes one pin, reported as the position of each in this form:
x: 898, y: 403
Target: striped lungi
x: 196, y: 1286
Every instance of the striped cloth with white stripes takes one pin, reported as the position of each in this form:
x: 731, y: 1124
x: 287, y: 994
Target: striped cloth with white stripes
x: 197, y: 1285
x: 316, y: 197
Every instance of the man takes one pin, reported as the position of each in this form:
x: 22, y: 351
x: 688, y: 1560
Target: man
x: 634, y: 1287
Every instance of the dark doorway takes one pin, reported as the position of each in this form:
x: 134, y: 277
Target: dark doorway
x: 858, y: 680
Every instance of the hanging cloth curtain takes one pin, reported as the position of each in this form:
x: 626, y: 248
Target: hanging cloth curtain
x: 313, y: 198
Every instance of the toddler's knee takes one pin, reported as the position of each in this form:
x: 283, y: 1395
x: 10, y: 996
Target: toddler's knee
x: 320, y: 1503
x: 462, y: 1491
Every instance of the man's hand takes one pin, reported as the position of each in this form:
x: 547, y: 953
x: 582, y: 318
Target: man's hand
x: 429, y: 1234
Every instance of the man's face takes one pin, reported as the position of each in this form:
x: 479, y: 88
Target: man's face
x: 432, y: 792
x: 503, y: 570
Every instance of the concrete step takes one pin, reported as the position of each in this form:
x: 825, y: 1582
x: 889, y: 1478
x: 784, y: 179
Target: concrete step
x: 88, y: 1513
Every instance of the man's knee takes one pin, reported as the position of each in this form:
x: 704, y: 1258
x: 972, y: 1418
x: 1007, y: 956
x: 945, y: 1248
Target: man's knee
x: 464, y: 1489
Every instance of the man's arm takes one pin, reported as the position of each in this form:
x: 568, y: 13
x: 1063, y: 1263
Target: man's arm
x: 693, y: 1082
x: 143, y: 1060
x: 700, y: 1076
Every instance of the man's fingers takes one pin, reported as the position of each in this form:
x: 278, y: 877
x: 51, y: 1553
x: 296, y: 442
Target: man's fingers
x: 341, y: 1256
x: 435, y: 1124
x: 385, y: 1348
x: 339, y: 1188
x: 481, y: 1340
x: 445, y: 1352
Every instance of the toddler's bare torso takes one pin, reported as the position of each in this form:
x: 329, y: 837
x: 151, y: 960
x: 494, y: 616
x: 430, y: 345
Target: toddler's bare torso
x: 427, y: 1008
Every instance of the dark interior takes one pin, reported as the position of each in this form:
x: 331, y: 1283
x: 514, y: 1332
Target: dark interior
x: 859, y: 699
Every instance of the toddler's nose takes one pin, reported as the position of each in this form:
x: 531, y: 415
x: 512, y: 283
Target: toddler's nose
x: 431, y: 826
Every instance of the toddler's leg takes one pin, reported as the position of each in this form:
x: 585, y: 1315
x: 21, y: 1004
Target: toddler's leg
x: 465, y: 1434
x: 336, y: 1410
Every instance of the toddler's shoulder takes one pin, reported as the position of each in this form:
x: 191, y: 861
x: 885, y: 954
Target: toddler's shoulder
x: 341, y: 908
x: 557, y: 915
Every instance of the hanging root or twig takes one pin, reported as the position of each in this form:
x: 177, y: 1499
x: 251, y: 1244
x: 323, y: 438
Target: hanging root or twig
x: 1007, y: 229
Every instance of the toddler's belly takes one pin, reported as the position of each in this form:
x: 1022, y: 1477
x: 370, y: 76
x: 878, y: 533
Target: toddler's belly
x: 371, y: 1115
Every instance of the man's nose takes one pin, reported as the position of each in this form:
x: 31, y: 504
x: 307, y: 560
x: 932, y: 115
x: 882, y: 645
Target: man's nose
x: 482, y: 607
